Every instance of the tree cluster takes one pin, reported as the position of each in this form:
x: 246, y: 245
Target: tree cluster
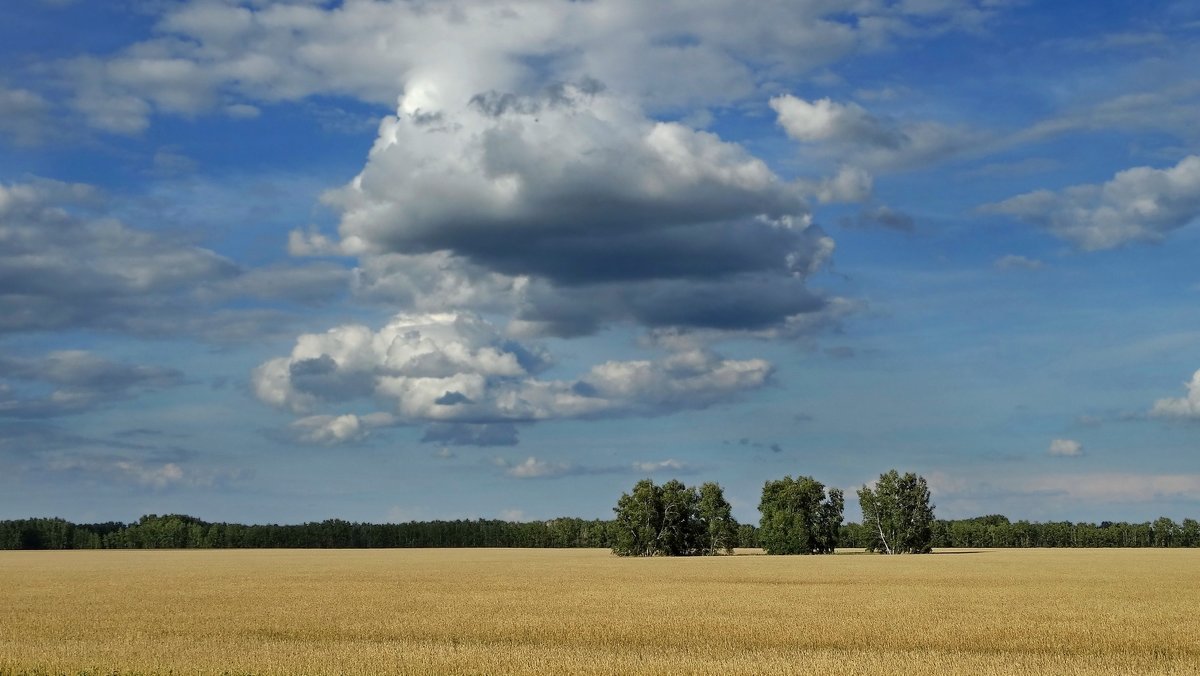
x: 799, y: 516
x: 898, y: 514
x: 673, y: 520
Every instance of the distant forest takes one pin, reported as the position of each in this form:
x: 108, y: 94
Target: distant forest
x: 184, y: 532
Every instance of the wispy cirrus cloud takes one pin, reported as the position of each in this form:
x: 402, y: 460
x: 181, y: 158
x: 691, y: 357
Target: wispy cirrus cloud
x: 78, y: 381
x: 68, y: 263
x: 537, y: 468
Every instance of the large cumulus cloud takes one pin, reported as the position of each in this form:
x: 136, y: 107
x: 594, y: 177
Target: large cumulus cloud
x: 566, y: 211
x: 456, y: 372
x: 584, y: 210
x: 531, y: 171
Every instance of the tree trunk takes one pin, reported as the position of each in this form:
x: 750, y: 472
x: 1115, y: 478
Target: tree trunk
x: 882, y: 538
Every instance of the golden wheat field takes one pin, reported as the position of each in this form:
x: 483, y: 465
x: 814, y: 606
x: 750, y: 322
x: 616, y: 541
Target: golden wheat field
x: 504, y: 611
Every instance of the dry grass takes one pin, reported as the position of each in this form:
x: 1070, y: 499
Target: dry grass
x: 584, y: 611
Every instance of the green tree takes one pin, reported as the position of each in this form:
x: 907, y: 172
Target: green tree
x: 720, y: 530
x: 680, y: 532
x: 1166, y: 533
x: 672, y: 520
x: 638, y: 520
x: 799, y: 516
x: 899, y: 513
x: 747, y: 536
x: 1189, y: 533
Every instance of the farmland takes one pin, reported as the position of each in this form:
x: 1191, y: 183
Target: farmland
x: 586, y: 611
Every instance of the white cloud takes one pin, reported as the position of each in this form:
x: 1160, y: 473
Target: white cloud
x: 1181, y: 408
x: 167, y: 162
x: 513, y: 515
x: 880, y: 216
x: 1065, y: 448
x: 78, y: 381
x: 434, y: 281
x: 117, y: 95
x: 666, y: 55
x: 966, y: 496
x: 242, y: 111
x: 1141, y: 204
x: 456, y: 368
x: 338, y: 429
x: 532, y: 468
x: 825, y: 120
x: 61, y: 266
x: 23, y: 115
x: 415, y: 360
x: 943, y: 484
x: 1169, y: 108
x: 149, y: 474
x: 668, y: 465
x: 575, y: 210
x: 1015, y: 262
x: 847, y: 129
x: 67, y: 262
x: 515, y: 163
x: 1117, y: 487
x: 471, y: 434
x: 482, y: 191
x: 158, y: 477
x: 310, y: 284
x: 849, y: 184
x: 311, y: 243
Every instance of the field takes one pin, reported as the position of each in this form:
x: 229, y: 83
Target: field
x: 585, y: 611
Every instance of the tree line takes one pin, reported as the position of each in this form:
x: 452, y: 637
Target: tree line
x: 177, y: 531
x: 798, y: 516
x: 185, y: 532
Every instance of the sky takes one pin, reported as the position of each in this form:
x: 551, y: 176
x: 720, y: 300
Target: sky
x: 281, y: 261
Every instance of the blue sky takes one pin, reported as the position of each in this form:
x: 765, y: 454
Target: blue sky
x: 283, y: 261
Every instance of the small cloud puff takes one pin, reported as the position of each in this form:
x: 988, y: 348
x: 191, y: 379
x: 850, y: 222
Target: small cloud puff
x: 1015, y: 262
x: 1181, y: 408
x: 876, y: 141
x: 532, y: 468
x: 1065, y: 448
x: 668, y: 465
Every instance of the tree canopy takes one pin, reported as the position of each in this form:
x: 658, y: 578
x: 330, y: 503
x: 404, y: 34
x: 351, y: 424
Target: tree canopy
x: 799, y: 516
x: 898, y: 514
x: 673, y: 520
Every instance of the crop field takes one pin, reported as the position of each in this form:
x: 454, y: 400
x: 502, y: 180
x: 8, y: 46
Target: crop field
x: 585, y: 611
